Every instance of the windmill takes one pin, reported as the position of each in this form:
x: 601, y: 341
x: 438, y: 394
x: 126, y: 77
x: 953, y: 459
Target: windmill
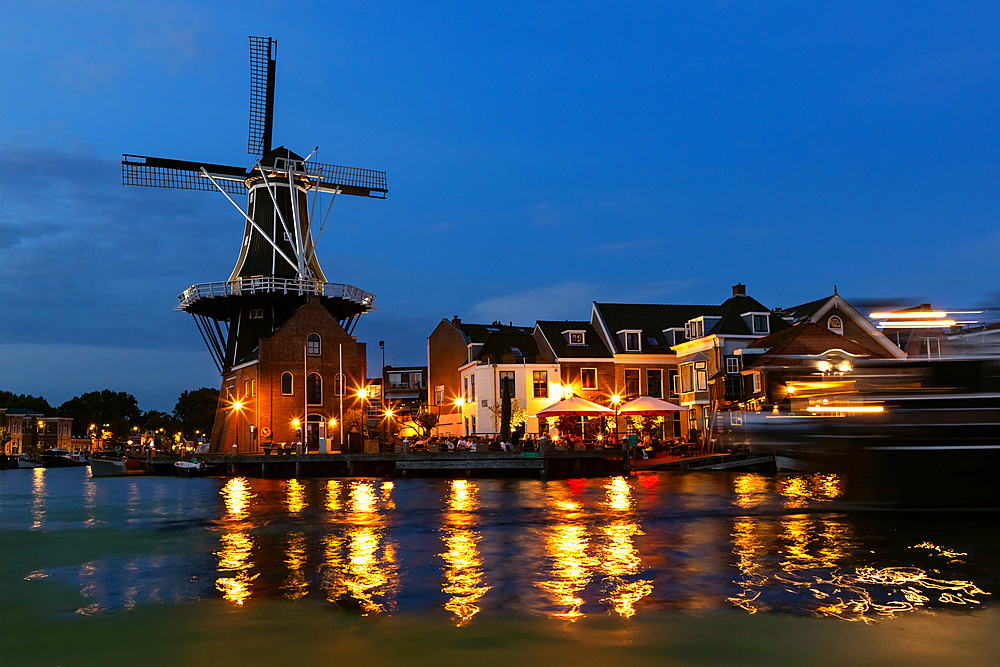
x: 277, y: 267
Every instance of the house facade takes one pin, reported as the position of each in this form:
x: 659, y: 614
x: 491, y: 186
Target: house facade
x: 32, y: 430
x: 296, y: 389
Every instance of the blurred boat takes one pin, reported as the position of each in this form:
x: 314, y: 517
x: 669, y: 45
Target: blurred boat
x: 28, y: 461
x: 908, y: 433
x: 61, y: 458
x: 116, y: 466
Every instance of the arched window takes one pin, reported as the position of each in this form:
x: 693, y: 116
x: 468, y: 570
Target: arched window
x: 313, y: 344
x: 338, y: 385
x: 314, y: 389
x: 835, y: 324
x: 286, y: 383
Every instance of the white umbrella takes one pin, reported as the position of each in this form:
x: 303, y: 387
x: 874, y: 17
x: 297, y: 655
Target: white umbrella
x: 574, y: 406
x: 647, y: 405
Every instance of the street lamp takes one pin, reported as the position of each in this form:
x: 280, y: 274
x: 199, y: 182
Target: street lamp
x: 459, y: 402
x: 616, y: 400
x: 363, y: 394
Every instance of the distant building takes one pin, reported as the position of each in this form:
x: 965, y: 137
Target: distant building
x: 33, y: 430
x: 404, y: 390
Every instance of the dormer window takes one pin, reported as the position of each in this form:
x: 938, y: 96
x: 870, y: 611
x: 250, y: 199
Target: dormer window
x: 575, y: 337
x: 760, y: 324
x: 694, y: 329
x: 632, y: 341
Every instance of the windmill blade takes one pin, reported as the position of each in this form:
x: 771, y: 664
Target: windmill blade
x: 263, y: 51
x: 158, y: 172
x: 348, y: 180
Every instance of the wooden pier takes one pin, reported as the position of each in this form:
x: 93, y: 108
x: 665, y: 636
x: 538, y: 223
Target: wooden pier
x: 545, y: 465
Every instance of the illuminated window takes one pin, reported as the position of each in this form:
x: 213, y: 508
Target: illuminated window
x: 314, y: 389
x: 439, y: 394
x: 835, y: 324
x: 701, y: 375
x: 472, y: 389
x: 313, y: 344
x: 687, y: 378
x: 756, y: 383
x: 465, y: 387
x: 540, y: 384
x: 257, y: 314
x: 576, y: 338
x: 588, y: 378
x: 286, y: 383
x: 253, y: 387
x: 674, y: 378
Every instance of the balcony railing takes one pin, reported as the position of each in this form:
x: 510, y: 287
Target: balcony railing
x: 272, y: 285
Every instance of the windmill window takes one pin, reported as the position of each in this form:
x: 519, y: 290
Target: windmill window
x: 835, y: 324
x: 257, y: 314
x: 313, y: 344
x: 314, y: 389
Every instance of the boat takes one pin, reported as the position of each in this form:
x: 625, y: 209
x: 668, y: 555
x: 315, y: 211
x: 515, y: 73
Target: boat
x: 189, y: 468
x: 25, y: 460
x: 61, y: 458
x: 901, y: 433
x: 116, y: 466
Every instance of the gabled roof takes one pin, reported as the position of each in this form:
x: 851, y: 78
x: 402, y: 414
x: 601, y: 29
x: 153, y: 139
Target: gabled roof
x: 805, y: 309
x: 732, y: 322
x: 477, y: 333
x: 806, y: 338
x: 594, y: 347
x: 651, y: 318
x: 499, y: 346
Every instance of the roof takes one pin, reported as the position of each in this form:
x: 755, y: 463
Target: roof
x: 509, y: 348
x: 477, y: 333
x: 732, y: 322
x: 805, y: 309
x: 593, y: 347
x: 806, y: 338
x: 651, y: 318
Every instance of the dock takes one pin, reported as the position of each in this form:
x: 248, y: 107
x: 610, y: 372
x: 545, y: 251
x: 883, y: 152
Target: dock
x: 544, y: 465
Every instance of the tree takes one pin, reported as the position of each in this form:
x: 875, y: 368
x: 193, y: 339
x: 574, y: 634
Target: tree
x: 518, y: 415
x: 353, y: 419
x: 4, y: 432
x: 108, y: 409
x: 424, y: 422
x: 27, y: 401
x: 196, y: 409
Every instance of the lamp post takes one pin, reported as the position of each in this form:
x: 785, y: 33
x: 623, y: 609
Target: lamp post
x: 616, y: 400
x: 385, y: 422
x: 459, y: 402
x: 363, y: 394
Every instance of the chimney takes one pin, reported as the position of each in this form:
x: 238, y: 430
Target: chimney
x: 739, y: 289
x: 456, y: 321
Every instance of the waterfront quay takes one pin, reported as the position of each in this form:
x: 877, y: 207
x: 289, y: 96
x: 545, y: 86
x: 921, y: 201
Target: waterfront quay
x: 538, y: 465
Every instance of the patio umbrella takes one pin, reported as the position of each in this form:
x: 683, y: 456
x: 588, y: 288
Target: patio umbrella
x: 647, y: 405
x: 574, y: 406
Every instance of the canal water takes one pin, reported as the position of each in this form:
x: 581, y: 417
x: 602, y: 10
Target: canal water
x: 662, y: 568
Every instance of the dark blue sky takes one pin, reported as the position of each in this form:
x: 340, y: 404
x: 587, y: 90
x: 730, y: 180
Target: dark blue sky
x: 539, y: 156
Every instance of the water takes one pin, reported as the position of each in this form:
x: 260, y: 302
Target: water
x: 662, y: 568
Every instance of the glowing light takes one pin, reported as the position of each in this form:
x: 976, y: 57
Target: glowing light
x: 295, y: 422
x: 616, y: 399
x: 850, y: 409
x: 459, y: 402
x: 824, y: 366
x: 911, y: 314
x: 333, y: 423
x: 918, y: 324
x: 843, y: 367
x: 237, y: 405
x: 388, y: 413
x: 790, y: 389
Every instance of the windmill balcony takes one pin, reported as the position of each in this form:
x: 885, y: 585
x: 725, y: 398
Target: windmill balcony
x: 272, y: 285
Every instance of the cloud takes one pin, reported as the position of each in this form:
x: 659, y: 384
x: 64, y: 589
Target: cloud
x: 568, y: 300
x: 86, y: 260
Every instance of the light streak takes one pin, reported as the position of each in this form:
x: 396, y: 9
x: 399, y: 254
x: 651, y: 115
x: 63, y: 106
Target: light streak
x: 846, y: 408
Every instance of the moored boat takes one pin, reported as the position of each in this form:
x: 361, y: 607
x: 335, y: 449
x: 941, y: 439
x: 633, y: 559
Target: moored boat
x: 27, y: 461
x: 112, y: 466
x: 61, y: 458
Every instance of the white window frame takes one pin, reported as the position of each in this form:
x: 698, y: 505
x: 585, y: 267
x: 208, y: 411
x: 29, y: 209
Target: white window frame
x: 570, y: 333
x: 318, y: 343
x: 701, y: 376
x: 625, y: 333
x: 835, y: 329
x: 732, y: 365
x: 756, y: 383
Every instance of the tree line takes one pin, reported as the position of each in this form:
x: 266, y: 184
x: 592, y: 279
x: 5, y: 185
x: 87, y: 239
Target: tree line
x: 118, y: 413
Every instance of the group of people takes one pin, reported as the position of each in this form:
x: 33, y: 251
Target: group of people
x: 467, y: 443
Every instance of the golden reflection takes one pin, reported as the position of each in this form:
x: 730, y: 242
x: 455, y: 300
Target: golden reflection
x: 234, y: 556
x: 464, y: 575
x: 237, y: 495
x: 295, y: 585
x: 619, y: 494
x: 295, y: 496
x: 362, y: 498
x: 748, y: 547
x: 38, y: 498
x: 751, y: 490
x: 799, y: 490
x: 621, y: 559
x: 571, y: 568
x: 333, y: 495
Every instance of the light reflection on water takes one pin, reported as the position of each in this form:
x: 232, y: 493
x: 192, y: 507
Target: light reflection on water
x: 564, y: 549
